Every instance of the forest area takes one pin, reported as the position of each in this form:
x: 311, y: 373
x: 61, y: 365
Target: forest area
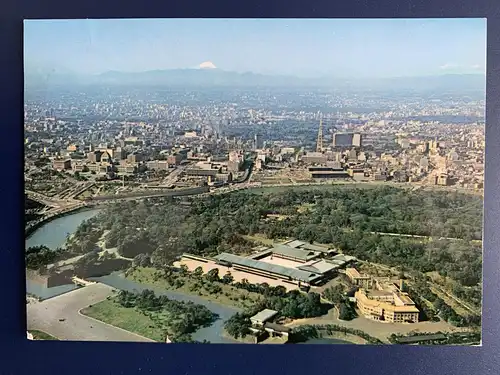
x: 165, y: 228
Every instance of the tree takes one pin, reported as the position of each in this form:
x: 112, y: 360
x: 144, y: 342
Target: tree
x: 227, y: 278
x: 238, y: 325
x: 213, y: 275
x: 198, y: 272
x: 183, y: 270
x: 438, y: 304
x: 334, y: 294
x: 39, y: 256
x: 346, y: 312
x: 142, y: 260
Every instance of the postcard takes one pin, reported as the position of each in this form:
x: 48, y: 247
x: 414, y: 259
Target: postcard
x: 258, y: 181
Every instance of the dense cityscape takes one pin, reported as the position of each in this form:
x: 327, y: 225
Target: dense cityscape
x: 87, y: 136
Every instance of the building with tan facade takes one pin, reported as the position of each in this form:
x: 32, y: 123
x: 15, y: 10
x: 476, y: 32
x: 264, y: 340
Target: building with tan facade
x: 357, y: 279
x: 386, y: 304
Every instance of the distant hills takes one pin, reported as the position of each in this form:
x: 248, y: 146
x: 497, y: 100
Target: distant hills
x: 221, y: 78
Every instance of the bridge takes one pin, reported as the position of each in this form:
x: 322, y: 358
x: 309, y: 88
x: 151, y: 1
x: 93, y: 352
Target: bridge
x: 82, y: 282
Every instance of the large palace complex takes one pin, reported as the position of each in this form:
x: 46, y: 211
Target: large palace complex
x: 299, y: 265
x: 293, y: 264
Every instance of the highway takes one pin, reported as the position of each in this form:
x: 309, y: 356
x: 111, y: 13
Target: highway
x: 173, y: 176
x: 43, y: 199
x: 46, y: 316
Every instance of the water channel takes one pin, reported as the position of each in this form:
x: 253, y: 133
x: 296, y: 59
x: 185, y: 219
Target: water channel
x: 53, y: 235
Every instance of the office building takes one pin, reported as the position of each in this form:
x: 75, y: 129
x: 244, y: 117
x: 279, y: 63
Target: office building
x: 134, y: 158
x: 357, y: 140
x: 175, y: 159
x: 234, y: 166
x: 258, y: 142
x: 347, y: 140
x: 442, y: 180
x: 120, y: 153
x: 314, y: 158
x: 158, y: 165
x: 94, y: 156
x: 61, y: 164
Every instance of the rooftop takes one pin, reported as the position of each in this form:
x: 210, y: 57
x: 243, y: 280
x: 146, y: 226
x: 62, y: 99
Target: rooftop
x: 322, y: 249
x: 291, y: 273
x: 294, y: 252
x: 337, y: 263
x: 319, y: 266
x: 264, y: 315
x: 362, y: 295
x: 353, y: 272
x: 261, y: 254
x: 277, y: 327
x: 378, y: 293
x: 294, y: 243
x: 343, y: 258
x: 405, y: 299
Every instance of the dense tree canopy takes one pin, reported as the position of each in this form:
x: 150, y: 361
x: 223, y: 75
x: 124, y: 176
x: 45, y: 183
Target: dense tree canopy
x: 348, y: 218
x: 39, y: 256
x: 178, y: 318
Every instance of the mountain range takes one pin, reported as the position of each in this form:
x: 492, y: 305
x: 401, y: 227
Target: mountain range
x: 221, y: 78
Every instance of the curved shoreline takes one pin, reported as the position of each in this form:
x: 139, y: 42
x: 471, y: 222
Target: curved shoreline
x: 350, y: 338
x: 29, y: 231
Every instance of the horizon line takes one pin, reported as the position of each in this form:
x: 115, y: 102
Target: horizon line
x: 262, y: 74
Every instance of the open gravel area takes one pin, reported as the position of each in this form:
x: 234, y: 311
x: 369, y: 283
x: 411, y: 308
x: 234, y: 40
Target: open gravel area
x: 46, y: 316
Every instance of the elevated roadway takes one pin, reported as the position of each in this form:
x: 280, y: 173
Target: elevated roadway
x: 43, y: 199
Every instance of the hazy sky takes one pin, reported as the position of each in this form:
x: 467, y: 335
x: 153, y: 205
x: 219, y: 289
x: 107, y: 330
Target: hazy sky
x: 313, y: 47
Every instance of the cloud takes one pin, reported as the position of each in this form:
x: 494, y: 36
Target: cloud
x: 449, y: 66
x: 459, y: 67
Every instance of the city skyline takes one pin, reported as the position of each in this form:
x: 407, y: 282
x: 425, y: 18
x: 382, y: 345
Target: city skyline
x: 338, y: 48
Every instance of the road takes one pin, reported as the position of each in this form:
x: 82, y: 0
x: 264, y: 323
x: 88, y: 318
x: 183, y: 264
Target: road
x: 43, y: 199
x: 379, y: 330
x: 419, y: 236
x: 45, y: 315
x: 173, y: 176
x: 457, y: 300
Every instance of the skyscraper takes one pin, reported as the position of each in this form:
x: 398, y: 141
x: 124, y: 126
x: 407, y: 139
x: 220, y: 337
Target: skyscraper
x: 347, y: 140
x: 258, y: 142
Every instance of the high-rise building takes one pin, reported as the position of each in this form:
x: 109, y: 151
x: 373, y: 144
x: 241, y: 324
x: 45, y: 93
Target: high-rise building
x: 94, y: 156
x: 134, y: 158
x: 347, y: 140
x: 258, y: 142
x: 356, y: 140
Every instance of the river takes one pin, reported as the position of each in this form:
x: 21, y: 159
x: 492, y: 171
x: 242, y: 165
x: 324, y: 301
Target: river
x: 212, y: 333
x: 53, y: 235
